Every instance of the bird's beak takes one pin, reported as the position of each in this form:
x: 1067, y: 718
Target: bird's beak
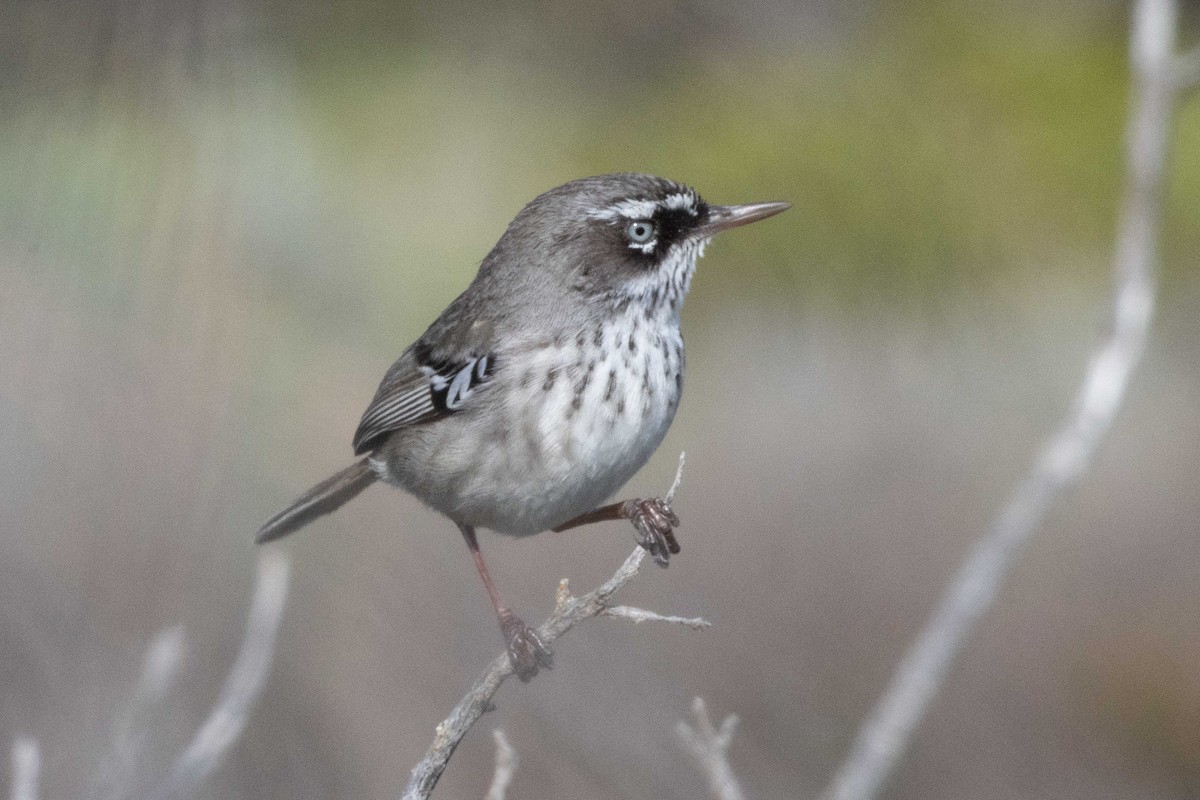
x: 722, y: 218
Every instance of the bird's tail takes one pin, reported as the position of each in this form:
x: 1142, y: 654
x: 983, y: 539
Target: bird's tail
x: 326, y: 497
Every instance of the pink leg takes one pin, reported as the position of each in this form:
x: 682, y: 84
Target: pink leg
x: 525, y: 649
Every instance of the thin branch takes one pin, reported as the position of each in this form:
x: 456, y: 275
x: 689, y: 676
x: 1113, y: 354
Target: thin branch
x: 506, y: 767
x: 1065, y: 457
x: 709, y: 748
x: 26, y: 768
x: 568, y: 612
x: 116, y: 776
x: 242, y: 686
x: 670, y: 496
x: 642, y: 615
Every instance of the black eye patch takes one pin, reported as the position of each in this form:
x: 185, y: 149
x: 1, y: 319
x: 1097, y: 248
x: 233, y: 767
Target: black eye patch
x: 672, y: 225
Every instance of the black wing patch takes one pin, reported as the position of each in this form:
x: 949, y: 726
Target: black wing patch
x: 451, y: 385
x: 431, y: 391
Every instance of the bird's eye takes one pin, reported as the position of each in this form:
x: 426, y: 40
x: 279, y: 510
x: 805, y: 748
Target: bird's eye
x: 640, y: 231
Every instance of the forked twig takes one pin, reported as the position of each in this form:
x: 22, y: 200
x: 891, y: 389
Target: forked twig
x: 242, y: 686
x: 117, y: 774
x: 116, y: 778
x: 709, y: 748
x: 568, y: 612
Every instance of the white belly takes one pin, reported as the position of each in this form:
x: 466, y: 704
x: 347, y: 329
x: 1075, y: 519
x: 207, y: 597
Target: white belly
x: 564, y: 429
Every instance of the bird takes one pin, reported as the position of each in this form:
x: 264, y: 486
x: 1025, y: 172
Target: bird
x: 543, y: 387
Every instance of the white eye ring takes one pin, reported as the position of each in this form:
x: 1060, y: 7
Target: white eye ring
x: 640, y: 231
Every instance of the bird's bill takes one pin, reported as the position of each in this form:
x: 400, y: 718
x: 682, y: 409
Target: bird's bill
x: 722, y: 218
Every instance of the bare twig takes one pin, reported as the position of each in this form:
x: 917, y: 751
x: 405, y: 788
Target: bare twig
x: 642, y: 615
x: 670, y: 496
x: 886, y: 732
x: 26, y: 768
x: 709, y: 748
x: 242, y: 686
x: 568, y: 612
x: 116, y: 776
x: 506, y: 767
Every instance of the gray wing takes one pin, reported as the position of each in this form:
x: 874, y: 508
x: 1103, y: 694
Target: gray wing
x: 427, y: 383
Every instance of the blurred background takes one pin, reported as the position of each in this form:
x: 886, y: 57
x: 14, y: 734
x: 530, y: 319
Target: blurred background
x: 220, y: 223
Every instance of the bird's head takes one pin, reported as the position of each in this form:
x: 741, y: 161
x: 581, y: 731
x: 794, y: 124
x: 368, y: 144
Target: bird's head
x: 623, y: 237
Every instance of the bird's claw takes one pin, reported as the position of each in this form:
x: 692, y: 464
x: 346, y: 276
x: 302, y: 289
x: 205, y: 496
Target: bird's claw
x: 526, y: 652
x: 654, y: 527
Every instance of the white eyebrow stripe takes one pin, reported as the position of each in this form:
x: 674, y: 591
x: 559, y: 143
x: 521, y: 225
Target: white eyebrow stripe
x: 633, y: 208
x: 684, y: 201
x: 627, y: 209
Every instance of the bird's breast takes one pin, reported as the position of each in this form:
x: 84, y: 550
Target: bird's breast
x: 581, y: 415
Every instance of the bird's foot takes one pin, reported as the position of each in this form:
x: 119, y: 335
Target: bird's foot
x: 526, y: 652
x: 654, y: 527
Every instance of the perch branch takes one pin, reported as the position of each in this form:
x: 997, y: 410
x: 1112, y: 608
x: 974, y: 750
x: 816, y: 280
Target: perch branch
x: 709, y: 748
x: 116, y: 776
x: 568, y: 612
x: 885, y: 734
x: 242, y: 686
x: 506, y: 767
x: 26, y: 768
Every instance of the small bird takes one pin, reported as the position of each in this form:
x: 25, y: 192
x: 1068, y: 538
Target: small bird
x: 549, y: 382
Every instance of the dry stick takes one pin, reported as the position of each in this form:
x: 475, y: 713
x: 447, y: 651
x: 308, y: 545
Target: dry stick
x: 885, y: 734
x: 506, y: 767
x: 569, y: 611
x: 242, y: 686
x: 709, y: 748
x: 26, y: 769
x: 642, y: 615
